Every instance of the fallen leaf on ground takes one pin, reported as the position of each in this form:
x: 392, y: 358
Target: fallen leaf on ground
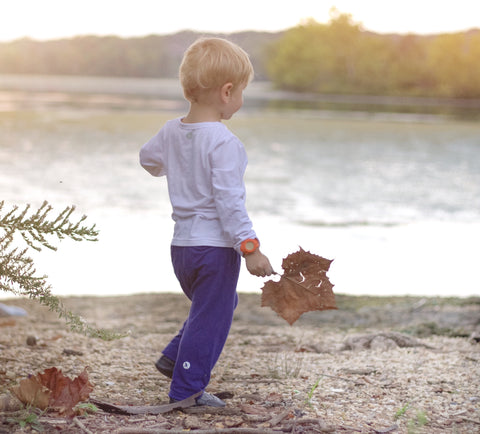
x: 51, y: 389
x: 32, y: 392
x: 303, y: 287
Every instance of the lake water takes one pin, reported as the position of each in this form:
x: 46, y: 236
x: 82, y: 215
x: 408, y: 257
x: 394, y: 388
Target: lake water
x: 394, y: 199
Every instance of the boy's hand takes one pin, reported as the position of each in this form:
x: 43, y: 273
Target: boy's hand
x: 258, y: 264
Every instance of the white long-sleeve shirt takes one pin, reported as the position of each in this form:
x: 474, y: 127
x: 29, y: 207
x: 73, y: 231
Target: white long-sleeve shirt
x: 204, y: 164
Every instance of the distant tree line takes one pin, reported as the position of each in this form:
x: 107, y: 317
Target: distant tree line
x: 339, y: 57
x: 156, y: 56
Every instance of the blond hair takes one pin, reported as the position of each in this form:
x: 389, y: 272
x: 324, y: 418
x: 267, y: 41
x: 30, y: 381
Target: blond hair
x: 209, y: 63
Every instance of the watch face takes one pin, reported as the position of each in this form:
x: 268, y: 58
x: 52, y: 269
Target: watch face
x: 249, y: 246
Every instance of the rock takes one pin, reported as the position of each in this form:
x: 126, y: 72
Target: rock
x: 475, y: 337
x: 9, y: 403
x: 6, y: 310
x: 381, y: 341
x: 31, y: 341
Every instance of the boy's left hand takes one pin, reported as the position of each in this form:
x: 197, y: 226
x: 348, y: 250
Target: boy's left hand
x: 258, y: 264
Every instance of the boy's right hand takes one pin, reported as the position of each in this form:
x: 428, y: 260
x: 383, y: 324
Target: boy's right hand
x: 258, y: 264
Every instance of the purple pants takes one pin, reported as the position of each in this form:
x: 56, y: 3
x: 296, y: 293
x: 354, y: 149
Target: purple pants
x: 208, y: 277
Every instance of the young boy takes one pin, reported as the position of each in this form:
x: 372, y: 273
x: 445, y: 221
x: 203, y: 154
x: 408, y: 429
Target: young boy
x: 204, y: 164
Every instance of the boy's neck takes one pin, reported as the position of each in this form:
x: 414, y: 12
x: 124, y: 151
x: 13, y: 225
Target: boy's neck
x: 202, y: 113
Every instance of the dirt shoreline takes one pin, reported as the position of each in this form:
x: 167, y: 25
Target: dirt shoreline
x: 377, y: 364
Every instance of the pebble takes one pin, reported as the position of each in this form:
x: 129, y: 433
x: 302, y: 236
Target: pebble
x: 31, y: 341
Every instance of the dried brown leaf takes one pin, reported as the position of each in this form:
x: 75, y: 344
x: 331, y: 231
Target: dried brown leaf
x: 303, y: 287
x: 32, y: 392
x: 51, y: 389
x: 66, y: 393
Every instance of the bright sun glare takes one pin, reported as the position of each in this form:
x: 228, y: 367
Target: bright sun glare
x: 50, y: 19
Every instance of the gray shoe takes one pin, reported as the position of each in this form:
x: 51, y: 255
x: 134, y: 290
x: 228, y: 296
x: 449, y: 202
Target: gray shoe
x: 210, y: 400
x: 206, y: 399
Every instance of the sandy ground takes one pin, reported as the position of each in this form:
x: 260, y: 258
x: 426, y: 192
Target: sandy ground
x: 376, y: 365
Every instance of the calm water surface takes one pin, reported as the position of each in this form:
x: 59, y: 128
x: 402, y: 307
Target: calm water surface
x: 394, y: 200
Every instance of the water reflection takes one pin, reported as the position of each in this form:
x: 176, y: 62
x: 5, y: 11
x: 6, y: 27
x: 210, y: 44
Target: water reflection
x: 27, y: 92
x: 393, y: 198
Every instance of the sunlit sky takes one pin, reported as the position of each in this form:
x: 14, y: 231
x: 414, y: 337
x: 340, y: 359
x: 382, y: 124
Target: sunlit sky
x: 53, y: 19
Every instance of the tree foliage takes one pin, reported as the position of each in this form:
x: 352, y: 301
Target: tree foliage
x: 341, y: 57
x: 17, y: 271
x: 157, y: 56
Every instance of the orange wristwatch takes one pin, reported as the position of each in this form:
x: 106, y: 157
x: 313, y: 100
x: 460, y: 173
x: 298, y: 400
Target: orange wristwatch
x: 249, y: 246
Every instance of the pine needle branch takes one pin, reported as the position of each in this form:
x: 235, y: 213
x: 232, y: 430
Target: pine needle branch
x: 35, y: 228
x: 17, y: 271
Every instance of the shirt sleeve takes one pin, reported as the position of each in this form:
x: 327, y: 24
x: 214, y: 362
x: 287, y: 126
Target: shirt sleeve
x: 151, y: 156
x: 228, y: 161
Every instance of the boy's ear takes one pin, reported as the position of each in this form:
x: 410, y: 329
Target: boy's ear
x: 226, y: 91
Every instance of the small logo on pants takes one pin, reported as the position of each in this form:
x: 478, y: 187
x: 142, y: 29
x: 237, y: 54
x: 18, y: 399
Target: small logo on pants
x: 186, y: 365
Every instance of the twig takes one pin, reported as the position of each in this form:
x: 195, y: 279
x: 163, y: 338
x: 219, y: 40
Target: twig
x: 320, y: 424
x: 145, y: 409
x: 350, y: 428
x: 467, y: 419
x: 275, y: 420
x: 81, y: 426
x: 205, y: 409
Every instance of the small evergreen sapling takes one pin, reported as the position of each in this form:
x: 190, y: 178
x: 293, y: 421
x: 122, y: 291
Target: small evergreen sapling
x: 17, y: 271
